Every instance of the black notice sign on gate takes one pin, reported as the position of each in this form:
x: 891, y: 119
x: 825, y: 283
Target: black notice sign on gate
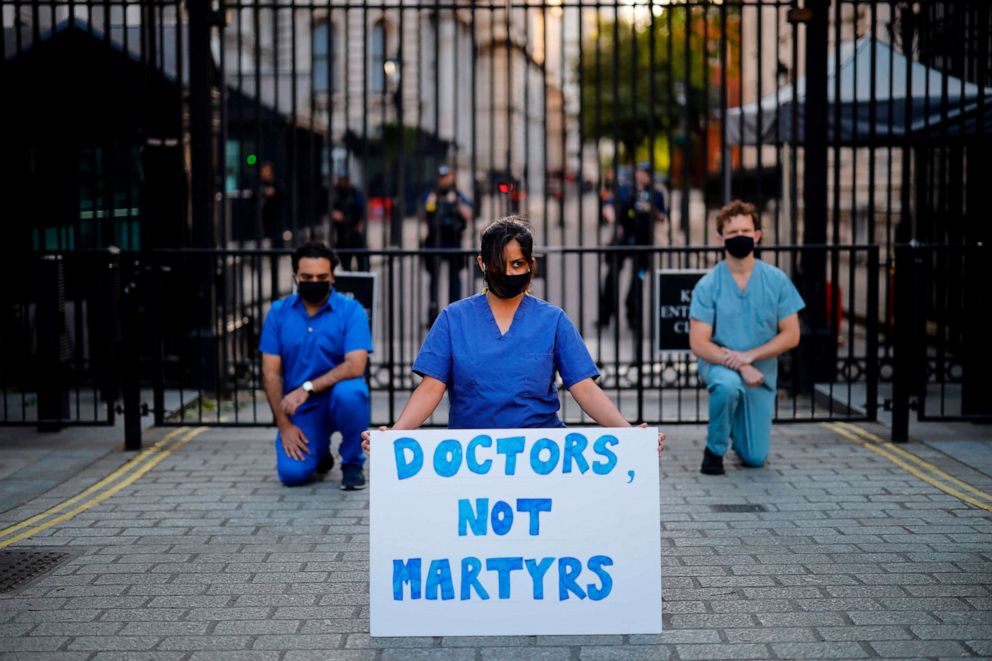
x: 362, y: 287
x: 674, y: 287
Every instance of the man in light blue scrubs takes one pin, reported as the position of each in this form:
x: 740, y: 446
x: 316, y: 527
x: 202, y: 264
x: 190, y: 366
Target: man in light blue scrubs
x: 315, y: 345
x: 742, y: 317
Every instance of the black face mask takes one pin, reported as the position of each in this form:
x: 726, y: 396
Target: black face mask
x: 313, y: 292
x: 739, y: 246
x: 507, y: 286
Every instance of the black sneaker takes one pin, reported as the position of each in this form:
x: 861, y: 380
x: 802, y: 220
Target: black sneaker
x: 352, y: 478
x: 712, y: 463
x: 325, y: 465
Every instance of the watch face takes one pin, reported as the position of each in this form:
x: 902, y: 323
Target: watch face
x: 307, y: 386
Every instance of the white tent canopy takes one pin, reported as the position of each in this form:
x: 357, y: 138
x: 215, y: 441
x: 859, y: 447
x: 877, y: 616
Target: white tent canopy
x: 775, y: 124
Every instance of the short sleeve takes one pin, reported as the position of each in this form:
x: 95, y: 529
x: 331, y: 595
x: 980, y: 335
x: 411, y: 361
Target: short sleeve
x: 789, y: 300
x: 434, y: 359
x: 572, y: 359
x: 269, y: 342
x: 357, y: 334
x: 703, y: 304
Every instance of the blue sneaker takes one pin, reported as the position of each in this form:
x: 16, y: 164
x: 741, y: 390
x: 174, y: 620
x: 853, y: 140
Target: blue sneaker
x: 352, y: 478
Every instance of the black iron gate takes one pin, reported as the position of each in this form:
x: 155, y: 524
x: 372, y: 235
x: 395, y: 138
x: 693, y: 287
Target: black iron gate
x: 220, y: 125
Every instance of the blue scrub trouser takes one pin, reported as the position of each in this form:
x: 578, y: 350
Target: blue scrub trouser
x: 345, y: 409
x: 739, y: 414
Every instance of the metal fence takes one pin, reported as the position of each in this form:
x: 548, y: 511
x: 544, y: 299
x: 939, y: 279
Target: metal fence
x: 214, y: 376
x: 145, y: 125
x: 941, y: 360
x: 60, y: 339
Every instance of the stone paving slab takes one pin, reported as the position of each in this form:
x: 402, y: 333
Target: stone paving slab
x: 208, y: 557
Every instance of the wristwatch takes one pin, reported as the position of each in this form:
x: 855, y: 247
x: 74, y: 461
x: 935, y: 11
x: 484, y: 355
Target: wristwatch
x: 308, y: 387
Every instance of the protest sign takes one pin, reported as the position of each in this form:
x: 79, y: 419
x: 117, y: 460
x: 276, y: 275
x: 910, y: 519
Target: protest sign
x: 515, y: 532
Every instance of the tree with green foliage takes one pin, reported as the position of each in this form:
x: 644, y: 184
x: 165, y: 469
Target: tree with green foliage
x: 646, y: 81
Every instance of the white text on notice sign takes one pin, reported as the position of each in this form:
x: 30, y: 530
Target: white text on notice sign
x: 515, y: 532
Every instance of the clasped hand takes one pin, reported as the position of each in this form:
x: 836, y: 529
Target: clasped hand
x: 741, y: 362
x: 293, y: 400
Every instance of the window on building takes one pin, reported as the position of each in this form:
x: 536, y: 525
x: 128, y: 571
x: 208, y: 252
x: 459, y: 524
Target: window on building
x: 377, y: 76
x: 324, y: 57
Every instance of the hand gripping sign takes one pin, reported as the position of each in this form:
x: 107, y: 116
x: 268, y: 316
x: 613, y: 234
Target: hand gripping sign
x: 515, y: 532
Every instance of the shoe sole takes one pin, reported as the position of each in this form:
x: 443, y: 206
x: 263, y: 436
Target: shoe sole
x: 352, y: 487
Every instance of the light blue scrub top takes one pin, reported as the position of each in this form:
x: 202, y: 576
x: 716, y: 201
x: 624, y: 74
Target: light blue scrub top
x: 497, y: 381
x: 312, y: 346
x: 743, y: 320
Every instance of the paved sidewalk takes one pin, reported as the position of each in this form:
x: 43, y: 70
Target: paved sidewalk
x: 206, y: 556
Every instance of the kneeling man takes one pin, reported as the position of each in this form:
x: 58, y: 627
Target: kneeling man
x: 315, y: 345
x: 743, y: 315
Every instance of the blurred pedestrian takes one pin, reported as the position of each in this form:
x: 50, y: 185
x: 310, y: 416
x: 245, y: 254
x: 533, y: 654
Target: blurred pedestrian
x: 348, y: 217
x: 633, y: 210
x: 447, y: 213
x: 272, y: 200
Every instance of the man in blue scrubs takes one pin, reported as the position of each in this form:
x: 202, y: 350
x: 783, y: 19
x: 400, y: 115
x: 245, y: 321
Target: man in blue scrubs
x: 743, y: 315
x: 315, y: 345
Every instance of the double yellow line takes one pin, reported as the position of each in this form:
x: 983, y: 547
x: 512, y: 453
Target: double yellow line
x: 913, y: 465
x: 124, y: 476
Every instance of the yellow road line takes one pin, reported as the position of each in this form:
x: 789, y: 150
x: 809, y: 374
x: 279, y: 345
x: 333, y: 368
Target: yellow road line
x: 128, y: 465
x: 130, y: 479
x: 912, y: 470
x: 892, y: 447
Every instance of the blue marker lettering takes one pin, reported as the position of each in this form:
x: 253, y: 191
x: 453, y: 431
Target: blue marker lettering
x: 504, y: 566
x: 406, y: 572
x: 470, y: 579
x: 537, y: 570
x: 604, y: 467
x: 475, y: 520
x: 544, y: 466
x: 568, y: 571
x: 575, y: 445
x: 502, y: 517
x: 447, y: 458
x: 596, y: 564
x: 407, y: 467
x: 470, y: 454
x: 439, y: 576
x: 510, y: 446
x: 534, y: 506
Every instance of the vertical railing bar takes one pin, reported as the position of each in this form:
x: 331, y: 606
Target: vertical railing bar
x: 580, y: 178
x: 872, y: 363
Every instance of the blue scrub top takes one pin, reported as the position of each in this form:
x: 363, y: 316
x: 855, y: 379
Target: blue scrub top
x: 312, y: 346
x: 743, y: 320
x: 497, y: 381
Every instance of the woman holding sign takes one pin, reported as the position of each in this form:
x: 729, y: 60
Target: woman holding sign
x: 496, y: 353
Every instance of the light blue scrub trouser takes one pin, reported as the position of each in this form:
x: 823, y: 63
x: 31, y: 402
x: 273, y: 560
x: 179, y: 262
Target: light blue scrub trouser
x: 345, y: 409
x: 739, y: 414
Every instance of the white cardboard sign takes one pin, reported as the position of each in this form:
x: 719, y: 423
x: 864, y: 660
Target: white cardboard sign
x: 515, y: 532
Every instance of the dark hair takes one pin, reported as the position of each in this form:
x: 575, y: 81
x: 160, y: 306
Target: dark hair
x: 736, y: 208
x: 314, y: 250
x: 499, y: 233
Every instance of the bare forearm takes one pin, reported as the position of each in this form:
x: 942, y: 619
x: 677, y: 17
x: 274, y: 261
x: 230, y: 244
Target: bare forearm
x: 273, y: 393
x: 784, y: 341
x: 352, y: 367
x: 343, y: 372
x: 708, y: 350
x: 591, y: 398
x: 421, y: 405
